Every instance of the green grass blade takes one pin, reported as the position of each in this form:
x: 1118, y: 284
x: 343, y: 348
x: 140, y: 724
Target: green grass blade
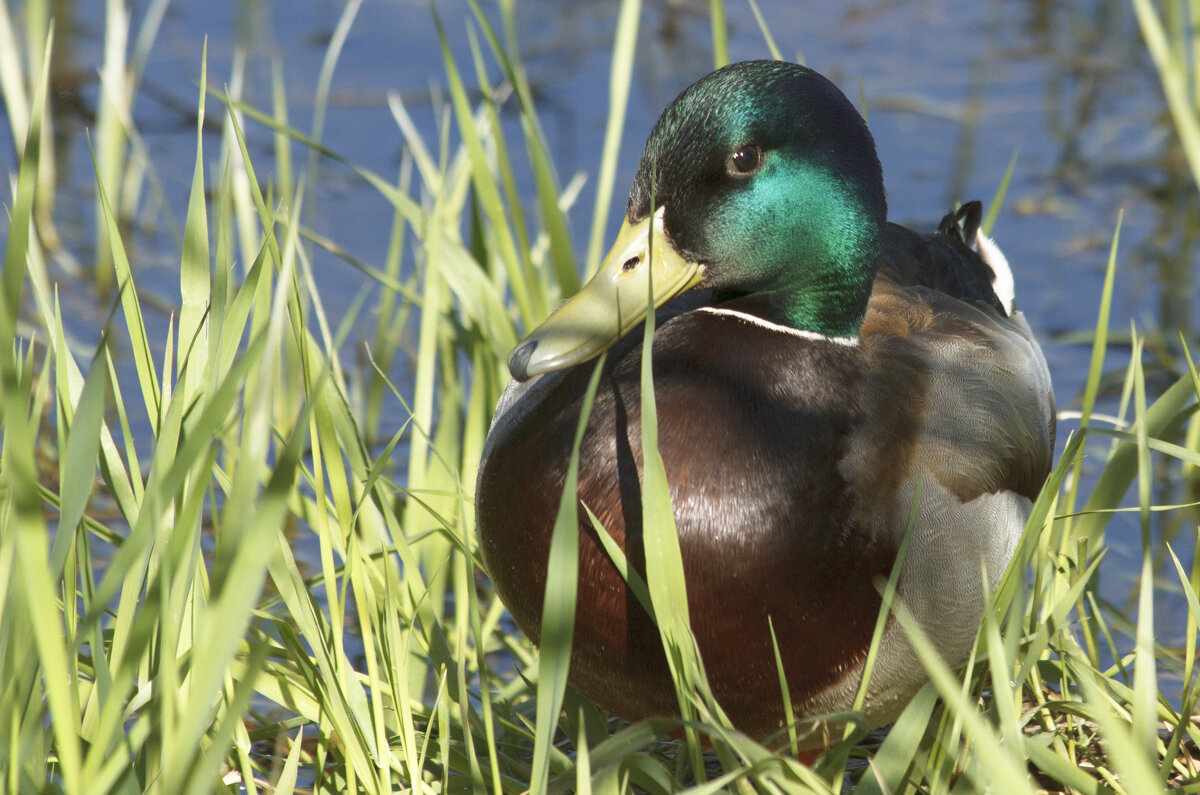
x: 789, y: 717
x: 79, y: 463
x: 1160, y: 418
x: 620, y: 76
x: 558, y: 606
x: 1145, y: 678
x: 664, y: 560
x: 1000, y: 763
x: 887, y: 771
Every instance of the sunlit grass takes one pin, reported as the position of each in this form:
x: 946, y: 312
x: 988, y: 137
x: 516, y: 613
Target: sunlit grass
x: 157, y: 633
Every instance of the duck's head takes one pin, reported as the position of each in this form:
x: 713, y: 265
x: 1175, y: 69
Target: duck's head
x: 760, y: 182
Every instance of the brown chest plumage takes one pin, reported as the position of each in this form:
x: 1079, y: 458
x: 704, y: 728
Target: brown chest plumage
x: 764, y: 533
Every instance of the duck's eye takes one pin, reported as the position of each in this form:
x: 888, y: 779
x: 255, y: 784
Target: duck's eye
x: 745, y: 160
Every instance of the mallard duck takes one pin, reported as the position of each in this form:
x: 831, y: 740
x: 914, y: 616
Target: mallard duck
x: 812, y: 365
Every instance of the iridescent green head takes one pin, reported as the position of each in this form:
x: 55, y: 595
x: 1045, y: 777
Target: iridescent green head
x: 763, y: 180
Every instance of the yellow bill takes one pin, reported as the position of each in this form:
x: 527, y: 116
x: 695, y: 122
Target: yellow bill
x: 615, y: 300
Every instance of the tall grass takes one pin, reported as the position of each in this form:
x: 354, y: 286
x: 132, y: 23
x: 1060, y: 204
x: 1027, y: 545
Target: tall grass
x: 158, y: 635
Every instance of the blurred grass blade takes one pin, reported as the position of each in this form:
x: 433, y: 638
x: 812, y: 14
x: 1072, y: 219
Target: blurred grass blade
x: 489, y: 194
x: 766, y: 31
x: 34, y: 591
x: 17, y: 248
x: 993, y: 211
x: 1120, y: 742
x: 562, y: 257
x: 1099, y: 349
x: 131, y: 306
x: 720, y: 33
x: 195, y: 276
x: 1174, y: 71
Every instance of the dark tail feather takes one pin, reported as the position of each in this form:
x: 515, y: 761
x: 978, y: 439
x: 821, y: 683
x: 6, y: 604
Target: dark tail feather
x: 945, y: 261
x: 963, y: 223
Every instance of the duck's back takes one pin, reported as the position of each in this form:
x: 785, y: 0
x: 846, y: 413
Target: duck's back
x: 986, y: 390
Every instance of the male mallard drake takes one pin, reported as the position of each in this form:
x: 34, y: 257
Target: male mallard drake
x: 832, y: 363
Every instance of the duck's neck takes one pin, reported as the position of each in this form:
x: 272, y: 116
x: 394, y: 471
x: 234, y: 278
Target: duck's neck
x: 836, y: 311
x: 810, y: 261
x: 820, y: 275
